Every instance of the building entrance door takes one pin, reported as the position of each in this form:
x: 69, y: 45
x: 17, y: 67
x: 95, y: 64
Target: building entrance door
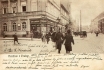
x: 36, y: 30
x: 33, y: 27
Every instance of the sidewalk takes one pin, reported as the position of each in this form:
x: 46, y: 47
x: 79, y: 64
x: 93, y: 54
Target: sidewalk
x: 79, y: 38
x: 20, y: 38
x: 10, y: 38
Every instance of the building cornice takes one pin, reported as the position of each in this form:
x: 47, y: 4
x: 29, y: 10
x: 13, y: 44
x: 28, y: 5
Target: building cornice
x: 54, y: 4
x: 64, y: 8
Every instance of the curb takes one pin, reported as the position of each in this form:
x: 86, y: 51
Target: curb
x: 19, y: 39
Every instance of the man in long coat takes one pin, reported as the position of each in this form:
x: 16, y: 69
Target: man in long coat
x: 68, y: 40
x: 47, y: 37
x: 59, y: 40
x: 15, y: 38
x: 31, y: 33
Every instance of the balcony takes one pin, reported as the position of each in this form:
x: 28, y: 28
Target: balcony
x: 34, y: 13
x: 26, y: 14
x: 7, y: 15
x: 4, y: 0
x: 7, y: 0
x: 13, y: 0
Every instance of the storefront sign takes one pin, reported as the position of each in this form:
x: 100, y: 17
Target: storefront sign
x: 34, y: 21
x: 43, y: 21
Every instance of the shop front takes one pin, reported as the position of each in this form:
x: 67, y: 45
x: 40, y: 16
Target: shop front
x: 39, y: 26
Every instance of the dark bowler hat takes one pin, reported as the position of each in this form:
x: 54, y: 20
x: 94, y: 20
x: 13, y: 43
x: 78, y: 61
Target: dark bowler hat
x: 68, y: 31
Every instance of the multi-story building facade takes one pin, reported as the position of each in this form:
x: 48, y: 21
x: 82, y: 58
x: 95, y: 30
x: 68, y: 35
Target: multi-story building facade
x: 94, y: 26
x: 22, y: 16
x: 97, y: 24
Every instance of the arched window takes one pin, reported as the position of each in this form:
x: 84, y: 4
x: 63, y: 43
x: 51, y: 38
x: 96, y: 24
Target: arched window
x: 4, y: 27
x: 24, y: 26
x: 14, y: 27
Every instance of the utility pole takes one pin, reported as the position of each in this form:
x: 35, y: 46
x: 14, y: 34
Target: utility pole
x: 80, y: 22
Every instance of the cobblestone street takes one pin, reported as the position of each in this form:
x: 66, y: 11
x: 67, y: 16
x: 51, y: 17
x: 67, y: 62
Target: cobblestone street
x: 91, y: 44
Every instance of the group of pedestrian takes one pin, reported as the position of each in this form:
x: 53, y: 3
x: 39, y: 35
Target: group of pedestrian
x: 58, y: 39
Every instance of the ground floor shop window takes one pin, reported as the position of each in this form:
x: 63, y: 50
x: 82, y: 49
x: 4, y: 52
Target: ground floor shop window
x: 14, y: 27
x: 14, y: 9
x: 24, y: 26
x: 4, y: 27
x: 23, y: 8
x: 5, y: 10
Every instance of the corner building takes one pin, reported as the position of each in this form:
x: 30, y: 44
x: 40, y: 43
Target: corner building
x: 97, y: 24
x: 22, y: 16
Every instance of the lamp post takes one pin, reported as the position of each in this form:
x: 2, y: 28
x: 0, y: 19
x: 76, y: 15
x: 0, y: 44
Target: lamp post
x: 58, y: 22
x: 80, y: 26
x: 80, y: 22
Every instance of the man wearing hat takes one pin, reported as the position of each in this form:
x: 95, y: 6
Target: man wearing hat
x: 15, y: 38
x: 59, y: 40
x: 68, y: 40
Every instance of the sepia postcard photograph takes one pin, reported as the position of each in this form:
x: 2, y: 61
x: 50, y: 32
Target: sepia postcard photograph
x: 51, y: 35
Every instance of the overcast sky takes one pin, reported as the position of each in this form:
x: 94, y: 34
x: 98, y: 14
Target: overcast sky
x: 89, y: 10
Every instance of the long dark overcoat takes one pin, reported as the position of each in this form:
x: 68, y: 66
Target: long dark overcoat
x: 59, y: 40
x: 68, y: 39
x: 15, y: 37
x: 53, y: 36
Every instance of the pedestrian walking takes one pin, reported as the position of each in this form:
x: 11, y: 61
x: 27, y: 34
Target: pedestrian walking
x: 3, y: 34
x: 59, y: 40
x: 68, y: 40
x: 53, y: 38
x: 43, y: 37
x: 50, y: 33
x: 47, y: 37
x: 15, y: 38
x: 97, y: 34
x: 31, y: 33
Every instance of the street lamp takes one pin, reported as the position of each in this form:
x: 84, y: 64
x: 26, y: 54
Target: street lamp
x: 58, y: 22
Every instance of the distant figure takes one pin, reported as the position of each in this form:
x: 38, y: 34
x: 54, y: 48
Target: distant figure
x: 15, y: 38
x: 50, y: 33
x: 31, y: 33
x: 36, y: 34
x: 68, y: 39
x: 97, y: 34
x: 84, y: 34
x: 43, y: 37
x: 47, y: 37
x: 3, y: 34
x: 53, y: 37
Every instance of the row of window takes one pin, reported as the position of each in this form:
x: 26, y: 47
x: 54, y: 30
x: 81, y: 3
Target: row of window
x: 53, y: 10
x: 23, y: 6
x: 14, y: 27
x: 14, y: 9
